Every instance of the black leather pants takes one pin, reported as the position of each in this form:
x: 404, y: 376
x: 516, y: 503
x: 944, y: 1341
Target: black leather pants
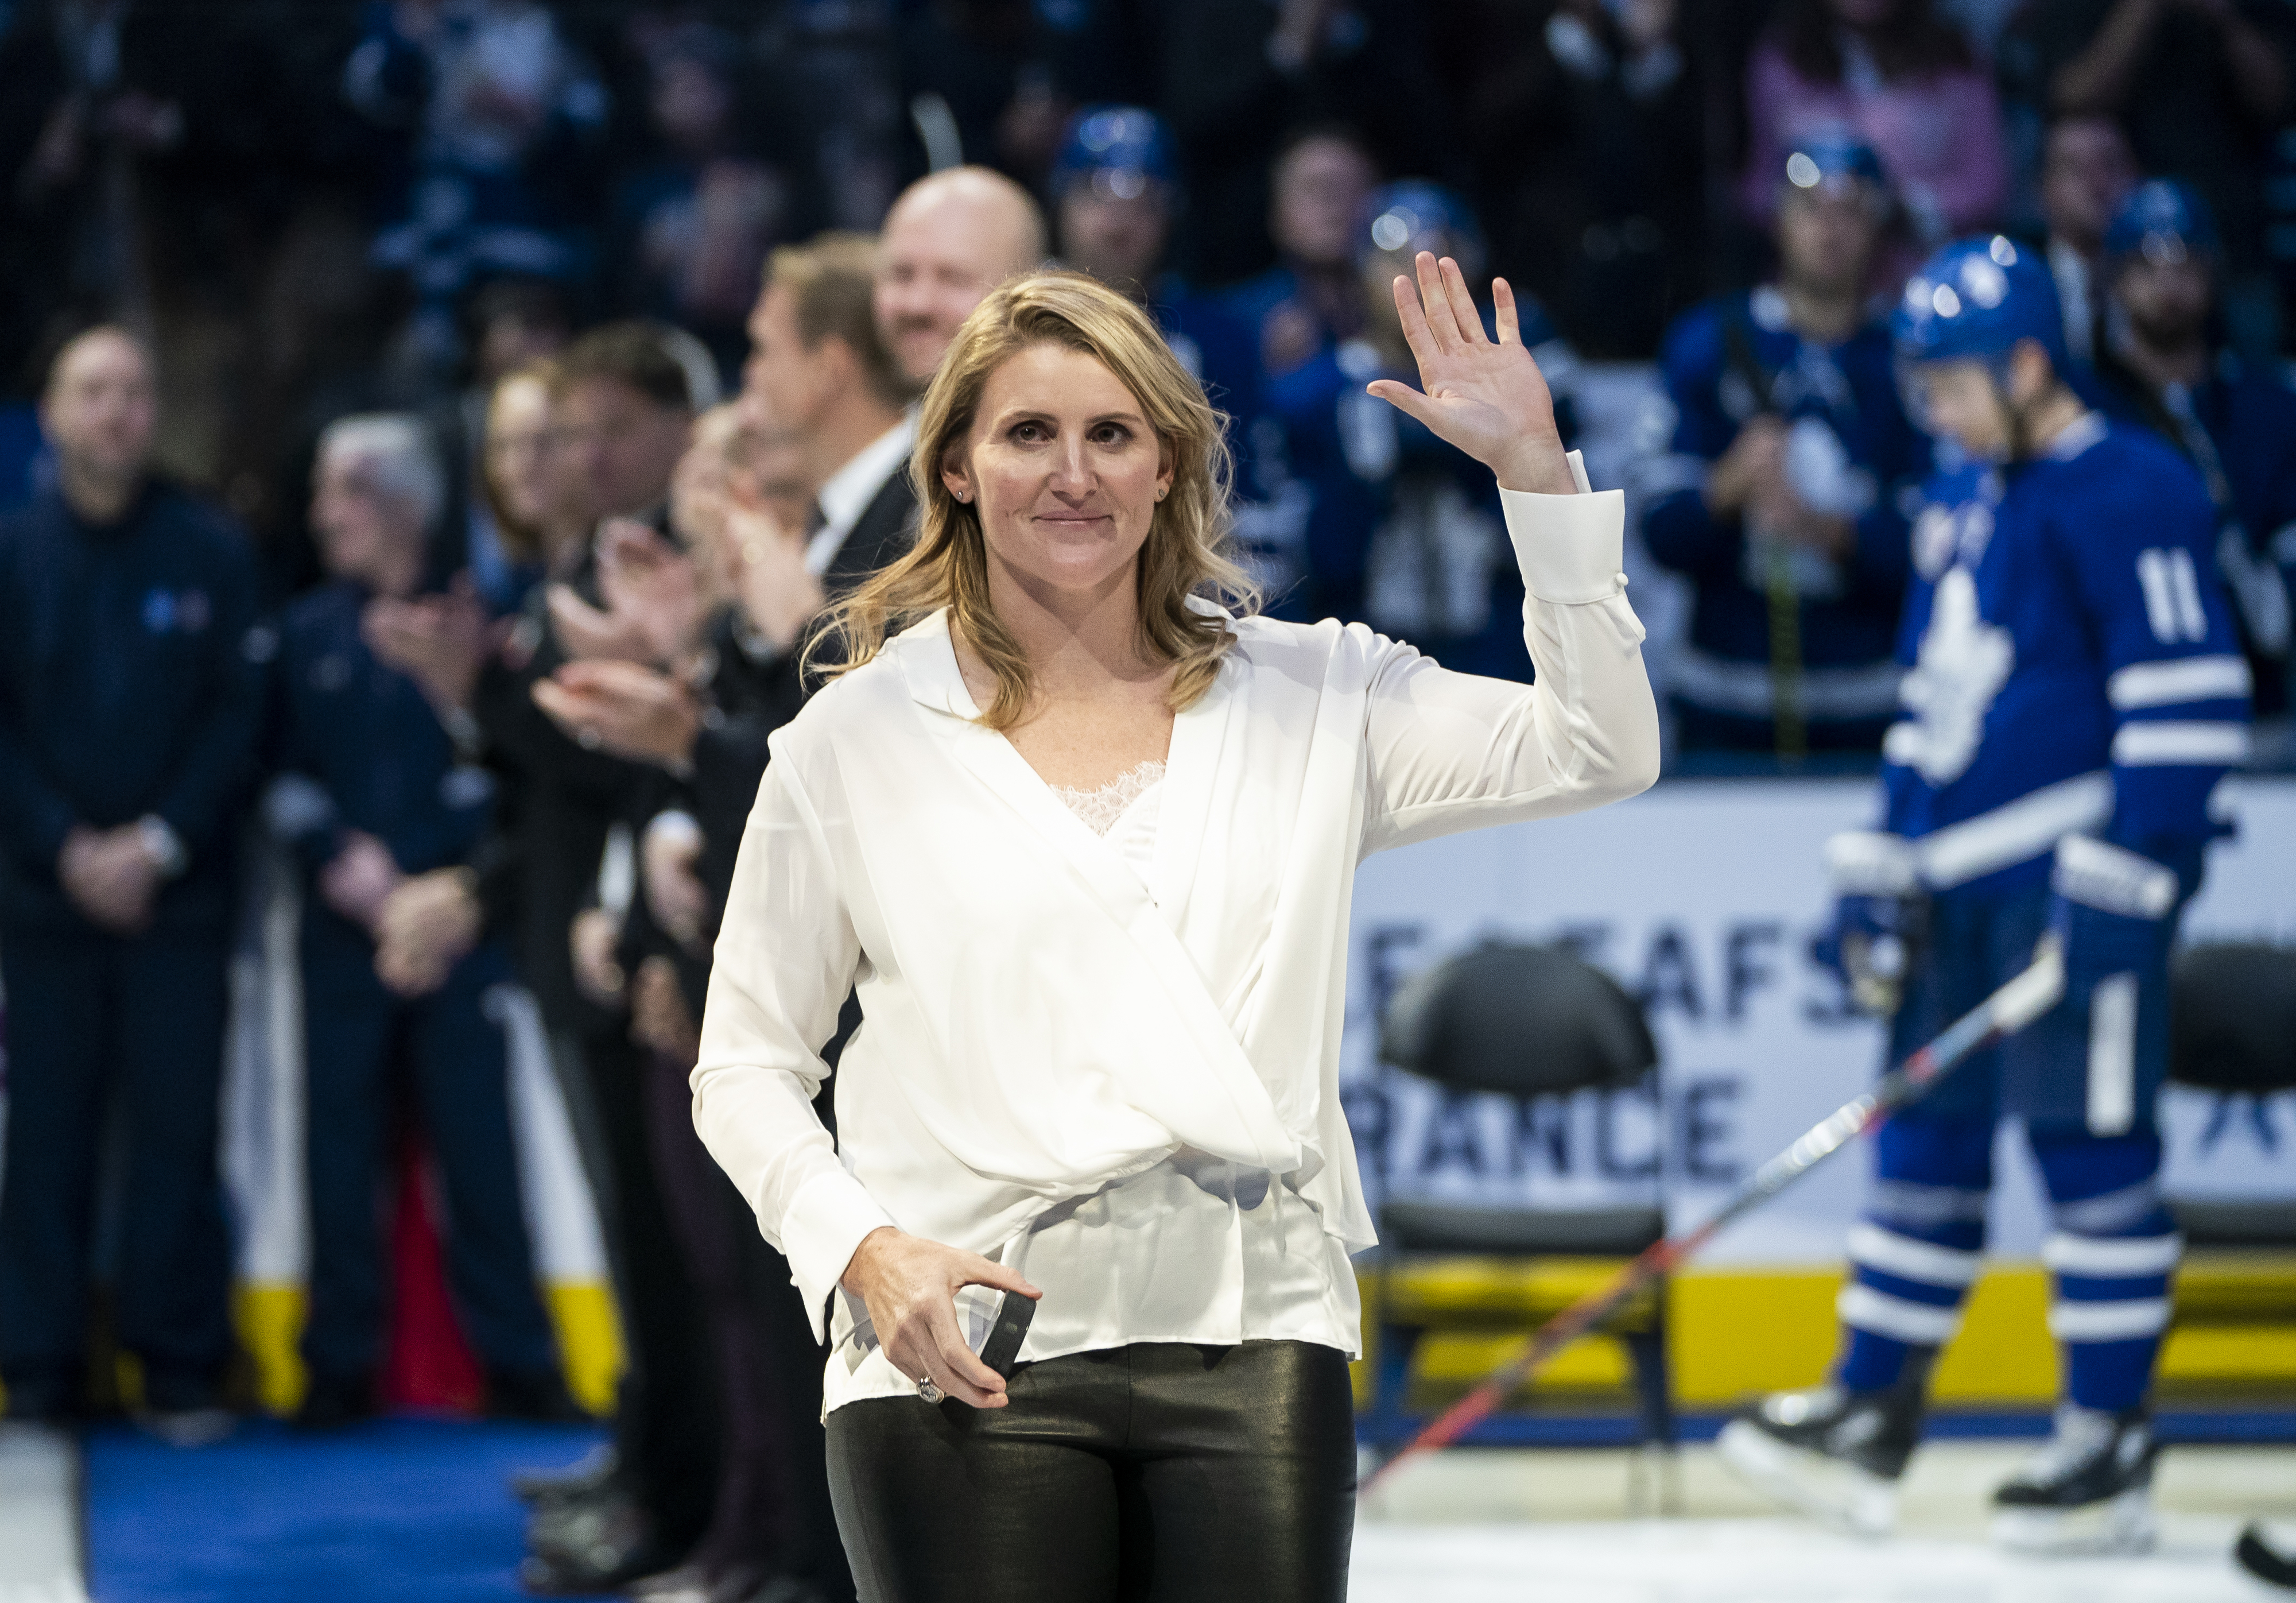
x: 1156, y: 1473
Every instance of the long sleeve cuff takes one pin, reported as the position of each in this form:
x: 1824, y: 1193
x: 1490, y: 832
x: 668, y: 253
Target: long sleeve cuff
x: 1571, y: 548
x: 824, y: 1225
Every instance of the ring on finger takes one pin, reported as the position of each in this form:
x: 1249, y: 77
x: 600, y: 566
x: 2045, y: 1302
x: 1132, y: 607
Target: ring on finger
x: 930, y: 1393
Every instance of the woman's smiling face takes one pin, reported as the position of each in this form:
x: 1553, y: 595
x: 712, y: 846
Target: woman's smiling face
x: 1063, y: 467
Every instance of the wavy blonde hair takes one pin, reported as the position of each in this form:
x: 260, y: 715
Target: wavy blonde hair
x: 1184, y: 557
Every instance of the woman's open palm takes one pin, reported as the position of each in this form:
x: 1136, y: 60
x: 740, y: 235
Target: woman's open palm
x: 1486, y: 398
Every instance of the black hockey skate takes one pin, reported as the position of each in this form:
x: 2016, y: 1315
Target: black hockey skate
x: 2088, y: 1491
x: 1831, y: 1453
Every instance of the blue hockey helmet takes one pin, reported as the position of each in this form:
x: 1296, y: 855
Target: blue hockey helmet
x: 1977, y: 298
x: 2162, y: 220
x: 1119, y: 149
x: 1414, y: 215
x: 1833, y: 159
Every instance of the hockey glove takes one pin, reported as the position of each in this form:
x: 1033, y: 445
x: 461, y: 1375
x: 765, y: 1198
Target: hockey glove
x: 1876, y: 917
x: 2108, y: 912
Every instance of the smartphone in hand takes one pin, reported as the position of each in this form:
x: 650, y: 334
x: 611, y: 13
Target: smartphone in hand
x: 1002, y: 1351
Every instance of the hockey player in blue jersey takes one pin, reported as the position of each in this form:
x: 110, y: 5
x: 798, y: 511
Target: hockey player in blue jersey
x: 1402, y: 531
x: 1116, y: 189
x: 2074, y: 694
x: 1779, y: 491
x: 2160, y: 367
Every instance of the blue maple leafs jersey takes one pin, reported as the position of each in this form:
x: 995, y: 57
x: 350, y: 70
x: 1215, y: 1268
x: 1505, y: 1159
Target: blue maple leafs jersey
x: 1852, y: 453
x: 2072, y: 662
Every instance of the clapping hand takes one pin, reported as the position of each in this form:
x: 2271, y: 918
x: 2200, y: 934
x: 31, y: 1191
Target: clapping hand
x: 640, y: 619
x: 1488, y: 398
x: 768, y: 571
x: 649, y: 581
x: 632, y: 711
x: 1752, y: 467
x: 590, y: 634
x: 440, y: 642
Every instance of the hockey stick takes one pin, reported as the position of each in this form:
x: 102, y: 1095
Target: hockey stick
x: 2006, y: 1011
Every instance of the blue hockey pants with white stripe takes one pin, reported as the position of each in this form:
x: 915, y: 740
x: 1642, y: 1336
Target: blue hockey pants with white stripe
x: 2084, y: 1082
x: 2113, y: 1249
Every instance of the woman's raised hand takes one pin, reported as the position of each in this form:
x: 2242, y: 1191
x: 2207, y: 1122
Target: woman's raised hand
x: 1488, y: 400
x: 910, y: 1285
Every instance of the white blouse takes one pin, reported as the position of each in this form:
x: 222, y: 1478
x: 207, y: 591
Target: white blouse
x: 1195, y: 1249
x: 1144, y: 1064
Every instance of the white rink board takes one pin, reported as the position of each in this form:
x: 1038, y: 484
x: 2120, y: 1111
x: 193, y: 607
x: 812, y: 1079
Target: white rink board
x: 1706, y: 894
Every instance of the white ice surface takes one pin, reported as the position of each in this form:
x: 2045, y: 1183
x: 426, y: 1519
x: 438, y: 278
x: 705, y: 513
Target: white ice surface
x: 1771, y: 1561
x: 40, y: 1545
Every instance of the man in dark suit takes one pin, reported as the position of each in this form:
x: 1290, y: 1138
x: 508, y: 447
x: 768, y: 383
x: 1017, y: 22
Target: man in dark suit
x: 818, y: 370
x: 626, y: 395
x: 818, y: 377
x: 821, y: 383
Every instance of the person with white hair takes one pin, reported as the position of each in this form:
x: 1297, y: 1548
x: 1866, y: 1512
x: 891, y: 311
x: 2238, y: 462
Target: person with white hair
x: 370, y: 791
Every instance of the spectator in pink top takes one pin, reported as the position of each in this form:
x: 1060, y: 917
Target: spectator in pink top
x: 1895, y: 76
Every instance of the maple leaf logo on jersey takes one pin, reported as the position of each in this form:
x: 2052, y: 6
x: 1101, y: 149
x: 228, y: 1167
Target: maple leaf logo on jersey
x: 1962, y: 665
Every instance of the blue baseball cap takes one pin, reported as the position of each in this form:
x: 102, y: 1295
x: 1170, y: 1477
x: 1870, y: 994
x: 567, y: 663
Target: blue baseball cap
x: 1415, y: 215
x: 1833, y: 159
x: 2162, y: 220
x: 1119, y: 150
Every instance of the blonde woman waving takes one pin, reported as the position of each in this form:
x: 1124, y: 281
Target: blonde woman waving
x: 1083, y: 832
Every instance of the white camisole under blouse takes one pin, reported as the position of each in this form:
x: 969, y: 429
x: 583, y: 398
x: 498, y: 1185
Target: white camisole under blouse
x: 1196, y: 1249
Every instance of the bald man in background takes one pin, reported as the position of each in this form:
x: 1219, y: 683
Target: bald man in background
x: 950, y: 239
x: 129, y: 703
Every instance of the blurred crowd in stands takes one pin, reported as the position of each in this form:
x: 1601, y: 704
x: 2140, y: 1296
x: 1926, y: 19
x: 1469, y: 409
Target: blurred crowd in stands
x: 433, y: 425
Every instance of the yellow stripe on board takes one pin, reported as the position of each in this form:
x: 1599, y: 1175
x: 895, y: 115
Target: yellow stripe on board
x: 270, y: 1322
x: 589, y: 1341
x: 1734, y: 1333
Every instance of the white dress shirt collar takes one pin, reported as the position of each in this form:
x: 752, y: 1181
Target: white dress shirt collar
x: 848, y: 492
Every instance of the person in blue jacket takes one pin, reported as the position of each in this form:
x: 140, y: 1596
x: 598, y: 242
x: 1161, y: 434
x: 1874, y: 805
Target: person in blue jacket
x: 1116, y: 189
x: 129, y: 711
x: 2163, y: 366
x: 1781, y: 494
x: 2074, y: 694
x: 1311, y: 298
x: 1403, y: 531
x: 369, y: 792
